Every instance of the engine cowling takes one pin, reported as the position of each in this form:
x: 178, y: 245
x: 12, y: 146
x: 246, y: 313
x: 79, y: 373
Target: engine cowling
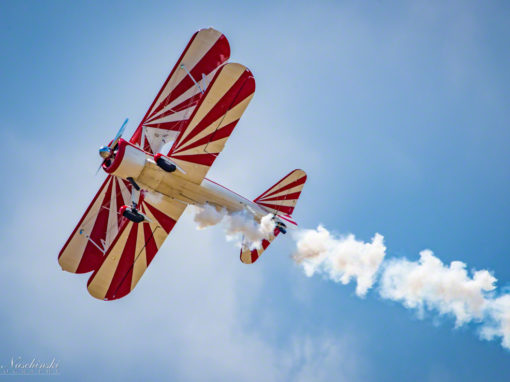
x: 127, y: 161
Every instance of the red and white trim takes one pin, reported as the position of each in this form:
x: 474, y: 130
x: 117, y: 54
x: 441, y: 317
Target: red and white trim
x: 170, y: 111
x: 133, y: 249
x: 249, y: 256
x: 97, y: 228
x: 281, y: 198
x: 214, y: 119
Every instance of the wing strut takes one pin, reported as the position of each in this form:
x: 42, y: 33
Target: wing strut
x: 82, y: 232
x: 192, y: 79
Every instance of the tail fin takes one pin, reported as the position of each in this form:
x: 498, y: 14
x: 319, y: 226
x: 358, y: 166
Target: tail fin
x: 280, y: 199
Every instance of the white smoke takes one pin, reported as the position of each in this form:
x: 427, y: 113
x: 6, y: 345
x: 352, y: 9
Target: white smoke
x: 340, y: 258
x: 428, y: 283
x: 238, y: 225
x: 244, y: 224
x: 153, y: 197
x: 423, y: 285
x: 207, y: 215
x: 498, y: 324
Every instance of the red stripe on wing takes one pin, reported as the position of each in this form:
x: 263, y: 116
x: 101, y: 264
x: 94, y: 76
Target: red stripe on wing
x: 133, y: 250
x: 221, y: 133
x: 150, y: 244
x: 79, y: 254
x: 166, y: 222
x: 92, y: 255
x: 217, y: 55
x: 238, y: 92
x: 192, y: 101
x: 124, y: 270
x: 203, y: 159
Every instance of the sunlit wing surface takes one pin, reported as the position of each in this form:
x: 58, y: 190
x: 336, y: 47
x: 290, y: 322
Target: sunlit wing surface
x: 134, y: 248
x: 183, y: 88
x: 249, y: 256
x: 283, y: 196
x: 83, y: 252
x: 213, y: 120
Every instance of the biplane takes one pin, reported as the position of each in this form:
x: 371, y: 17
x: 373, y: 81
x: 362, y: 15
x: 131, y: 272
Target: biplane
x: 148, y: 186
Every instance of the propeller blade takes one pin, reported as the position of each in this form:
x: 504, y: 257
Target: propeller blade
x: 119, y: 134
x: 99, y: 168
x: 106, y: 152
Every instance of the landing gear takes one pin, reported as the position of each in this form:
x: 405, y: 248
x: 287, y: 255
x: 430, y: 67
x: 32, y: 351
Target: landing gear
x: 132, y: 214
x: 281, y: 227
x: 164, y: 163
x: 133, y: 183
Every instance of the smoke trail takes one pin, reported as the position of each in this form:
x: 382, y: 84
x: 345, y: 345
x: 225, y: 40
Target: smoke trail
x: 341, y: 259
x: 208, y: 215
x: 498, y: 324
x: 423, y: 285
x: 153, y: 197
x: 238, y: 226
x: 428, y: 283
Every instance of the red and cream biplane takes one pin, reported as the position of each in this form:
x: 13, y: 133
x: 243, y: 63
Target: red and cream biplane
x: 194, y: 113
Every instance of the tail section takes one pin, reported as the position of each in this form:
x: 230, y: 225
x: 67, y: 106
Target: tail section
x: 249, y: 256
x: 280, y: 199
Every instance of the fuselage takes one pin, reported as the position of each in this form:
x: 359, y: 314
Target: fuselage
x: 131, y: 161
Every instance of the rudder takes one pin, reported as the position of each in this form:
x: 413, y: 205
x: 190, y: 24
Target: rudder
x: 280, y: 199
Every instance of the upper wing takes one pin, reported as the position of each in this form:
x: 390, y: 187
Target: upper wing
x: 96, y: 230
x: 176, y: 100
x: 134, y: 248
x: 213, y: 120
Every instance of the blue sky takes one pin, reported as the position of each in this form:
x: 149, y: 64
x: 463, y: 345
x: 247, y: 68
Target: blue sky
x: 398, y: 111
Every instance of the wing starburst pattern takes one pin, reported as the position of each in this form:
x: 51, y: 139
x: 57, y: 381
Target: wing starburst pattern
x: 134, y: 248
x: 249, y: 256
x: 186, y: 84
x: 283, y: 196
x: 213, y: 120
x: 84, y: 250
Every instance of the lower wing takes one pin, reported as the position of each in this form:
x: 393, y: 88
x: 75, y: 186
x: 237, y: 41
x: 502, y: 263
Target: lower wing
x: 96, y: 230
x: 134, y: 248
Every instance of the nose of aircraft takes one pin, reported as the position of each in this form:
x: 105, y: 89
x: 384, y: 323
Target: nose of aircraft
x: 105, y: 152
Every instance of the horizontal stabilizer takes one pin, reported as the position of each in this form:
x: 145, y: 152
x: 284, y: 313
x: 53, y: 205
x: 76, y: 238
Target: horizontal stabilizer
x: 249, y: 256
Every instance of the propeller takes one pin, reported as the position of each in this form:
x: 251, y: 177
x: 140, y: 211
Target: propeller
x: 119, y: 134
x: 106, y: 152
